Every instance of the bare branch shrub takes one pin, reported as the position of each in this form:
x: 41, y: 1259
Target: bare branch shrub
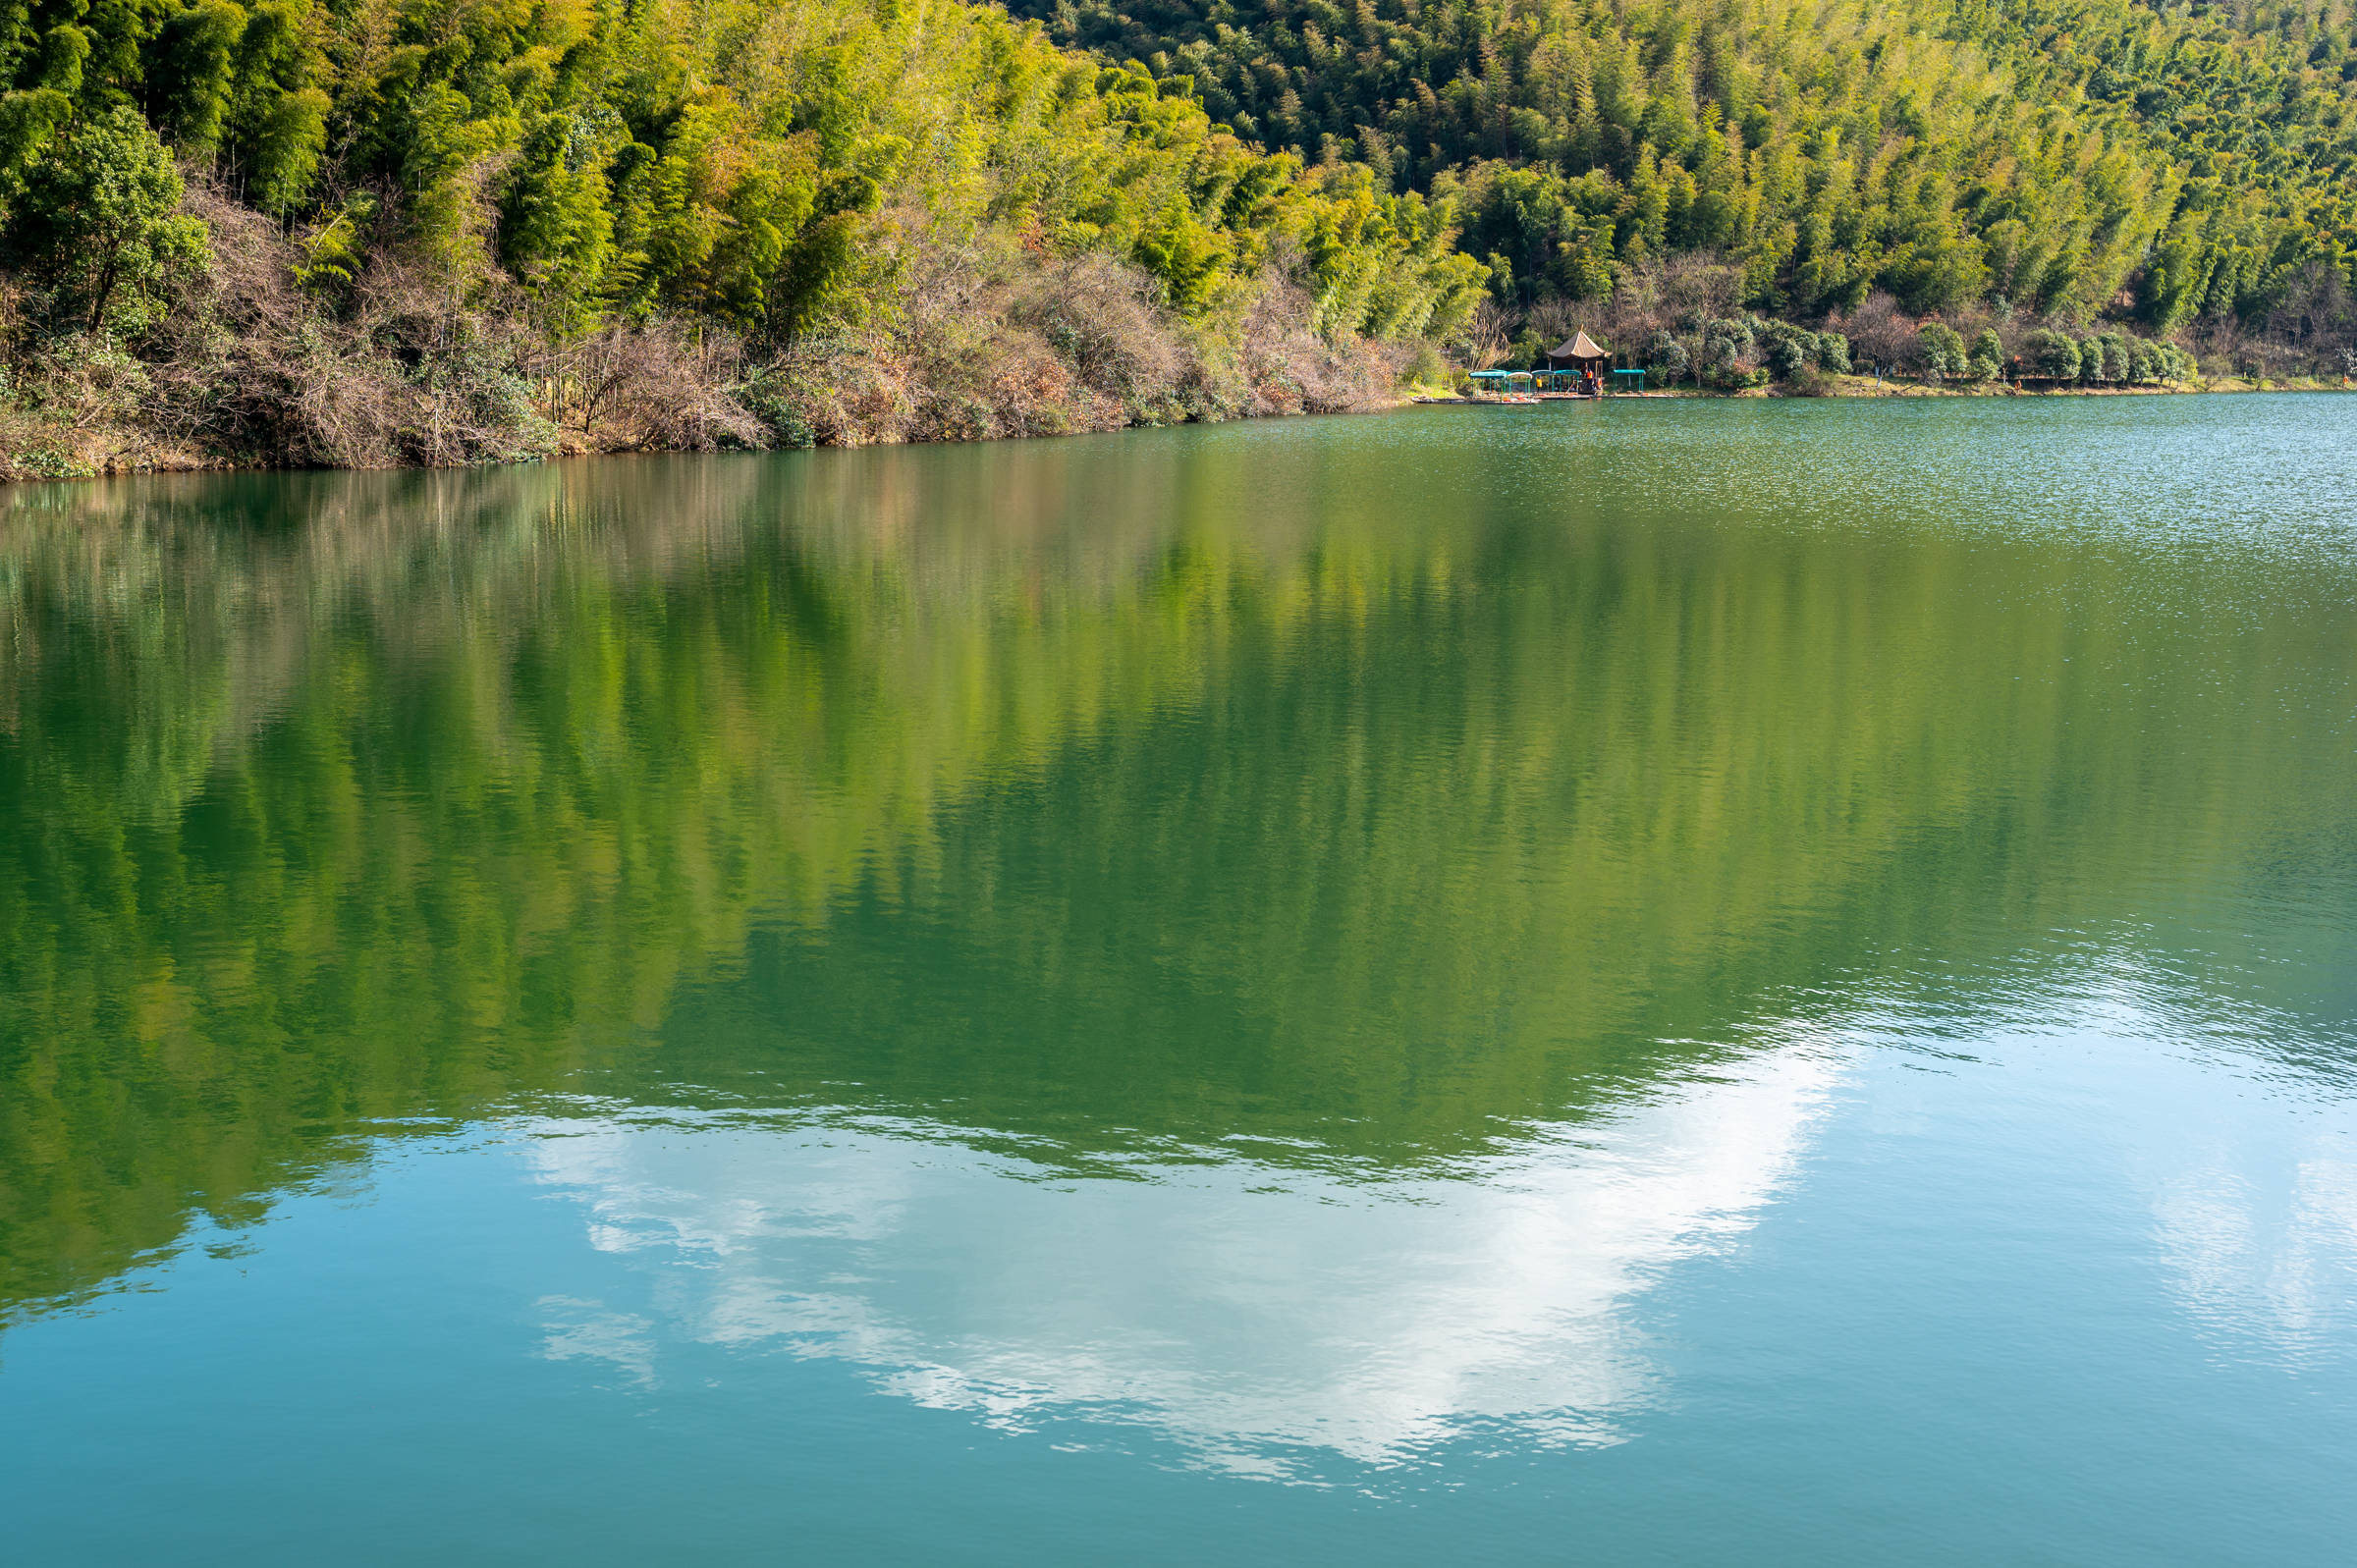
x: 1097, y: 316
x: 1883, y: 335
x: 833, y: 392
x: 270, y: 356
x: 1484, y: 336
x: 656, y: 386
x: 1290, y: 368
x: 412, y: 366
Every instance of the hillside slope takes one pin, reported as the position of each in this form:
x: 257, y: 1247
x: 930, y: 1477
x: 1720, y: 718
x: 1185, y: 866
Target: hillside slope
x: 2181, y: 168
x: 370, y: 230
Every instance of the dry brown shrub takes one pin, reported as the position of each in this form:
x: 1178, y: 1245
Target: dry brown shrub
x: 1677, y: 296
x: 1001, y: 380
x: 1290, y: 369
x: 659, y: 385
x: 1098, y: 316
x: 1485, y: 335
x: 412, y: 366
x: 465, y: 391
x: 1881, y: 334
x: 420, y: 359
x: 249, y: 363
x: 840, y: 393
x: 408, y: 365
x: 31, y: 448
x: 985, y: 346
x: 972, y: 378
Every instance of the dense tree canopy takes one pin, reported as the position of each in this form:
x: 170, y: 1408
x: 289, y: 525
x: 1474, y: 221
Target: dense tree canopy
x: 730, y: 159
x: 363, y: 231
x: 2069, y: 157
x: 355, y: 231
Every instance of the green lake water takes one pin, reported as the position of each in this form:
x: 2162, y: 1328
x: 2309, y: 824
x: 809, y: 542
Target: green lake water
x: 1753, y: 984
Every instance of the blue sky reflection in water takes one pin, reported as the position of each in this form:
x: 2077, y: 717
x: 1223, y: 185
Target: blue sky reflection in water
x: 1689, y: 984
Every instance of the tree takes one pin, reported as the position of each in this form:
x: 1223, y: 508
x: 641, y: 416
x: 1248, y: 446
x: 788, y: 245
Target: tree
x: 188, y: 85
x: 1827, y: 157
x: 98, y: 223
x: 277, y: 118
x: 1791, y: 349
x: 1988, y: 356
x: 2052, y: 355
x: 1943, y: 351
x: 1729, y: 359
x: 1665, y: 353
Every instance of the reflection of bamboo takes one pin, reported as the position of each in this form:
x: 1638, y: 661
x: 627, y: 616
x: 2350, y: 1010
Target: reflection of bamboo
x: 654, y: 706
x: 280, y: 633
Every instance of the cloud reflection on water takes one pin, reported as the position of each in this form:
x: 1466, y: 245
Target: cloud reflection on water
x: 1255, y: 1316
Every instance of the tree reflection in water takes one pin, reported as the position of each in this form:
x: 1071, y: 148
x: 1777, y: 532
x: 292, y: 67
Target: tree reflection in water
x: 1196, y: 804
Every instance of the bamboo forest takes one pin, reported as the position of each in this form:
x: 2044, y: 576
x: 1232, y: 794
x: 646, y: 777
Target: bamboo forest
x: 379, y: 232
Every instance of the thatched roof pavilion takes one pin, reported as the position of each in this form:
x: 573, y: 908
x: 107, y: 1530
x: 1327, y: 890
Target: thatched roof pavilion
x: 1581, y: 352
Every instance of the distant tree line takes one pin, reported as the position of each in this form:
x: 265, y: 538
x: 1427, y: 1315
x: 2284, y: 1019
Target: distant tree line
x: 2177, y: 166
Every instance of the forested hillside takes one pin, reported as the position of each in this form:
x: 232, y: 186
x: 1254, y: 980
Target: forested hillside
x: 365, y: 231
x: 2189, y: 169
x: 372, y: 230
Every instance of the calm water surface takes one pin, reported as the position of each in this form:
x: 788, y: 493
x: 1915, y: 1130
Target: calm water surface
x: 1749, y: 983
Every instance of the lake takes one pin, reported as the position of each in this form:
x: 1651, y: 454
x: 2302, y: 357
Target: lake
x: 1763, y: 983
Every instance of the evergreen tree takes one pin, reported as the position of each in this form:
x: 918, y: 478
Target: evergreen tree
x: 96, y: 223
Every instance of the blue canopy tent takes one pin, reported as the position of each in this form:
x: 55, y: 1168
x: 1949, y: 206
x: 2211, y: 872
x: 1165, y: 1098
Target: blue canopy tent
x: 1507, y: 383
x: 1526, y: 381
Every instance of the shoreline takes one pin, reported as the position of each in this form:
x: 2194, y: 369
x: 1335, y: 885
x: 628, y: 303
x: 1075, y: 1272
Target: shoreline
x: 1841, y: 387
x: 136, y: 459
